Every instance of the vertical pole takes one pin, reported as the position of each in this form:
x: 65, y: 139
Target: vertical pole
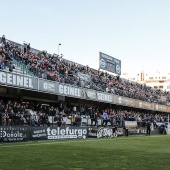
x: 87, y: 127
x: 52, y: 120
x: 1, y: 118
x: 58, y: 48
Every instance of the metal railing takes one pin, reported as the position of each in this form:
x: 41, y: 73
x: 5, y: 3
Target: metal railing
x: 23, y: 68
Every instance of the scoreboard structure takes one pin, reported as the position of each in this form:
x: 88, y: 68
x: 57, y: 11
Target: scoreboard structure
x: 109, y: 63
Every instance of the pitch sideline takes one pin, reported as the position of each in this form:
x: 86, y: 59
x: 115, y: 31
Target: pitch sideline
x: 34, y: 143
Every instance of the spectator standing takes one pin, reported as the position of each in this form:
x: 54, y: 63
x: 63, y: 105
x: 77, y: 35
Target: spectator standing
x: 25, y: 47
x: 28, y: 47
x: 148, y: 127
x: 3, y: 40
x: 105, y: 118
x: 74, y: 109
x: 94, y: 119
x: 78, y: 120
x: 11, y: 67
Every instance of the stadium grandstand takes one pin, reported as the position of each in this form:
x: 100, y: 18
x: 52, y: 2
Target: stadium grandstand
x: 53, y: 67
x: 41, y: 89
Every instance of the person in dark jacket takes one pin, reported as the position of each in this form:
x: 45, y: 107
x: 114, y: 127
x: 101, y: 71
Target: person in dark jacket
x: 17, y: 118
x: 28, y: 47
x: 44, y: 120
x: 78, y: 120
x: 3, y: 39
x: 148, y: 127
x: 11, y: 67
x: 94, y: 119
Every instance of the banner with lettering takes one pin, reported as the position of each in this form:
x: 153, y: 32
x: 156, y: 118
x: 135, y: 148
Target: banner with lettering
x: 16, y: 80
x: 42, y: 85
x: 14, y: 133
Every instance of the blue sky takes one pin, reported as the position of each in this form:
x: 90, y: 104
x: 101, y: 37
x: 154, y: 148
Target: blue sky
x: 135, y: 31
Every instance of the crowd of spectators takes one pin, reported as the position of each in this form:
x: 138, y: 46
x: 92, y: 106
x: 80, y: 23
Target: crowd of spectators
x: 6, y: 54
x: 13, y: 113
x: 54, y: 67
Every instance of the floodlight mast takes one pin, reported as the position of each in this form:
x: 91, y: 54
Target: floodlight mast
x: 58, y: 47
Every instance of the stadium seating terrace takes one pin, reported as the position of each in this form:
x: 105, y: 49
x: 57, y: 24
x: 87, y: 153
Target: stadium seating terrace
x: 53, y: 67
x: 16, y: 113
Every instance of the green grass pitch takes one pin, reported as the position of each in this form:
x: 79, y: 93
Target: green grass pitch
x: 139, y: 153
